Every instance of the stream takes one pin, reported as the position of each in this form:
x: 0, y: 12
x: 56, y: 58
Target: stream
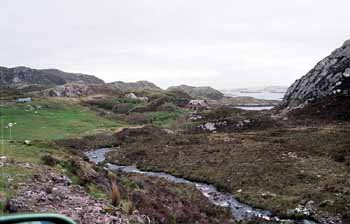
x: 239, y: 210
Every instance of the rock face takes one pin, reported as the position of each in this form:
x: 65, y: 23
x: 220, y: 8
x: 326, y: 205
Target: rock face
x: 78, y: 90
x: 134, y: 86
x: 22, y: 76
x: 330, y: 77
x: 199, y: 92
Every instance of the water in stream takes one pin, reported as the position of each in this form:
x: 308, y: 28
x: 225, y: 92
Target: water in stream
x: 240, y: 211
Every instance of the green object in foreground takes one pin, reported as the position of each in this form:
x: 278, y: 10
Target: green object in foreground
x: 35, y: 219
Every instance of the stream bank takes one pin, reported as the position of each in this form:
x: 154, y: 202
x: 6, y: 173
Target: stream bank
x: 239, y: 211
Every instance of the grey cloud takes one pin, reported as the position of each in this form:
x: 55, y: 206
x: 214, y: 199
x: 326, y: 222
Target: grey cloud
x: 224, y: 43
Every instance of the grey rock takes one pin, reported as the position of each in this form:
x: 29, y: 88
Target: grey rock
x: 331, y: 76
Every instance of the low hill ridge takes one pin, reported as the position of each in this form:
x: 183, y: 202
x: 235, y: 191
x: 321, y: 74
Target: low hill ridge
x: 21, y: 76
x: 202, y: 92
x: 134, y: 86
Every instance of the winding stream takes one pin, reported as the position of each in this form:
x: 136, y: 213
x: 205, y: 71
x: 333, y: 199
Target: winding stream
x: 240, y: 211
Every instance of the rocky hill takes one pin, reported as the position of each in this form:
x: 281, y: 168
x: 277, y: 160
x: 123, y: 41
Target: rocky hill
x: 78, y: 90
x: 204, y: 92
x: 134, y: 86
x: 330, y: 77
x: 23, y: 76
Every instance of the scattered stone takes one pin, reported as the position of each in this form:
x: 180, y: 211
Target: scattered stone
x: 306, y: 210
x: 290, y: 155
x: 212, y: 126
x: 268, y: 195
x: 209, y: 126
x: 3, y: 160
x: 195, y: 117
x: 168, y: 131
x: 51, y: 193
x: 26, y: 165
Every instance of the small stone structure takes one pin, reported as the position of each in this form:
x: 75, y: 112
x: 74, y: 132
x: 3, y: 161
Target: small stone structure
x: 134, y: 97
x: 69, y: 90
x: 198, y: 105
x: 24, y: 100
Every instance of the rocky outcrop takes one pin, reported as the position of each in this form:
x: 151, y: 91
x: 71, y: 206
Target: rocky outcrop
x: 54, y: 193
x: 23, y: 76
x: 134, y: 86
x: 203, y: 92
x: 78, y: 90
x: 330, y: 77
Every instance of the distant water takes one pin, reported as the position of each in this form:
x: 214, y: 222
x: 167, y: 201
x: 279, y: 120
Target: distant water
x: 258, y: 95
x: 255, y: 108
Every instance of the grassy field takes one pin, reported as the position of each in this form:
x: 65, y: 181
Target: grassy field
x: 42, y: 120
x: 47, y: 120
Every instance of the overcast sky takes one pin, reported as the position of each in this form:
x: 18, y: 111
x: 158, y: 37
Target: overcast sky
x: 221, y: 43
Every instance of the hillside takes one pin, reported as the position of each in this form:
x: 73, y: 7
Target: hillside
x: 203, y: 92
x: 23, y: 76
x: 330, y: 77
x: 134, y: 86
x: 216, y: 97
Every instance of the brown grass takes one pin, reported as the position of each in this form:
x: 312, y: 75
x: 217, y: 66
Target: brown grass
x: 296, y: 164
x: 115, y: 191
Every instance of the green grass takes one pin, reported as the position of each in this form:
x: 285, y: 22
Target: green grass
x: 47, y: 120
x: 165, y: 119
x: 41, y: 122
x: 96, y: 193
x: 14, y: 172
